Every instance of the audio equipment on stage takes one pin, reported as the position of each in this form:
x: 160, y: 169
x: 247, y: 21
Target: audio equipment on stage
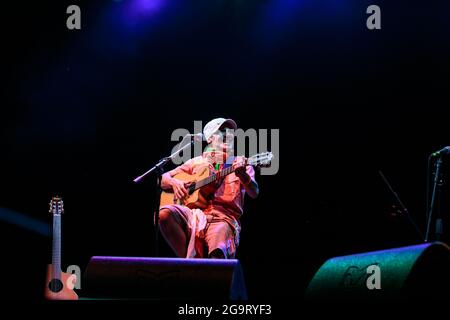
x: 420, y: 271
x: 164, y: 278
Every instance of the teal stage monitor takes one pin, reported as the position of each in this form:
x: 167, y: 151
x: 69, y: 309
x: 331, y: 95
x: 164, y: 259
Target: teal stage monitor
x: 419, y: 271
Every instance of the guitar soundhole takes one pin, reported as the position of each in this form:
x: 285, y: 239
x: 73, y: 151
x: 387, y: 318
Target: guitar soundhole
x: 55, y: 285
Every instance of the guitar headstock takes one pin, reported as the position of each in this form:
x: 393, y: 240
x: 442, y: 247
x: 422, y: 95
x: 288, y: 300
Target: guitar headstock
x: 261, y: 160
x: 56, y: 206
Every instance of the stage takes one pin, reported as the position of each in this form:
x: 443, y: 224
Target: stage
x: 88, y: 107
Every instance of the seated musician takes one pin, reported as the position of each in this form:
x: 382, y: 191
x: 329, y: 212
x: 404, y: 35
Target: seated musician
x: 212, y: 232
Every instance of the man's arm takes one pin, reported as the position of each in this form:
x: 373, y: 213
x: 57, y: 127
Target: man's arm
x: 168, y: 182
x: 248, y: 181
x: 251, y: 186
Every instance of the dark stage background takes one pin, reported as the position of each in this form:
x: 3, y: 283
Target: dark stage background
x: 84, y: 112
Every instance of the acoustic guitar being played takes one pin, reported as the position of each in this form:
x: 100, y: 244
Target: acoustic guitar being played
x: 196, y: 184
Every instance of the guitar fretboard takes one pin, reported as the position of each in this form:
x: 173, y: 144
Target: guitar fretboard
x: 222, y: 173
x: 56, y: 248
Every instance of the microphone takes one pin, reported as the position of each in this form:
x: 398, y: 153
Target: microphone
x: 440, y: 152
x: 196, y: 137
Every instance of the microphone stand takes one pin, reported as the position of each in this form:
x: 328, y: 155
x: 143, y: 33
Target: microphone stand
x: 436, y: 186
x: 404, y: 209
x: 158, y: 169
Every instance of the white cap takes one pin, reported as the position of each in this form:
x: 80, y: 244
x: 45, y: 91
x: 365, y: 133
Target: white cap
x: 215, y: 124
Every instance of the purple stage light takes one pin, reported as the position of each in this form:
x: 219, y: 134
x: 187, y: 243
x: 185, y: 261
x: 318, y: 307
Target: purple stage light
x: 136, y: 14
x: 146, y: 7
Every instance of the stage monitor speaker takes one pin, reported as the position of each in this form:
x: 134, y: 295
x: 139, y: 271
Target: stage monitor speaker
x: 420, y: 271
x: 164, y: 278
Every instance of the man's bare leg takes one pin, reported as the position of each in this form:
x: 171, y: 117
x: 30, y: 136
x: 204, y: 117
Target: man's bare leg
x: 172, y: 232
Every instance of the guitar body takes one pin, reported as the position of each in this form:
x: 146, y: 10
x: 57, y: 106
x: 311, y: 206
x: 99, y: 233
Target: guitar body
x: 203, y: 184
x: 66, y: 292
x: 196, y: 199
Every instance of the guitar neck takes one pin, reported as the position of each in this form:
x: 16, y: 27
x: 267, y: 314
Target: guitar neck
x: 214, y: 177
x: 56, y: 247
